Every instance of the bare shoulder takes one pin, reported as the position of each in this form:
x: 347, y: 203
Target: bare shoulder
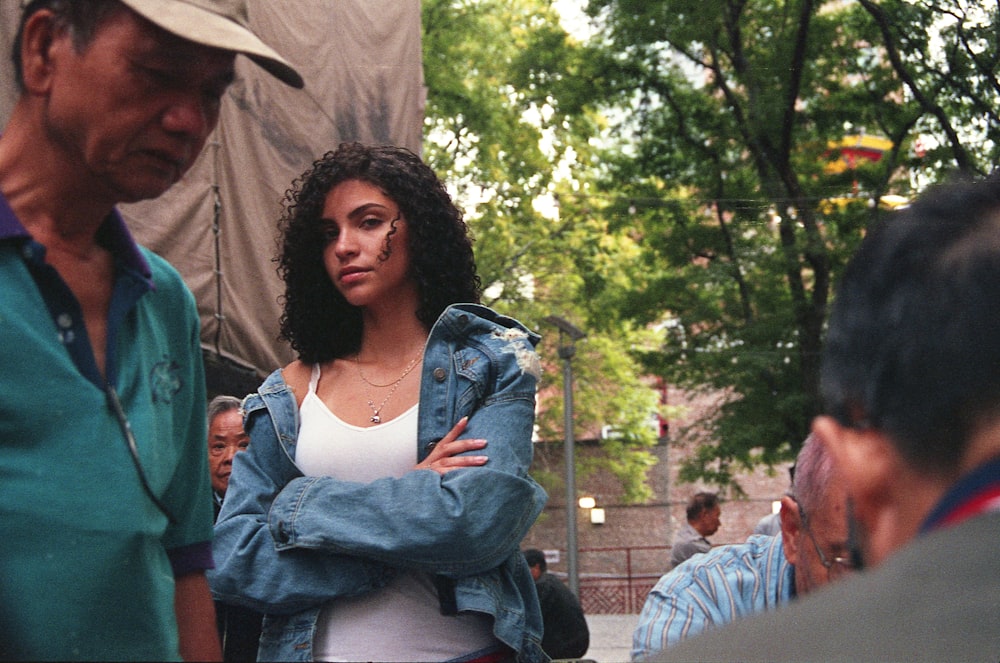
x: 296, y: 376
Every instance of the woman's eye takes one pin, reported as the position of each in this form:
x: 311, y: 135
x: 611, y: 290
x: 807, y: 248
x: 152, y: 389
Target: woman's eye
x: 371, y: 222
x: 330, y: 233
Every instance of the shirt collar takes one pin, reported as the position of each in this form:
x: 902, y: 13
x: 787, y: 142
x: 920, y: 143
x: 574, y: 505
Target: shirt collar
x: 975, y: 493
x: 113, y: 232
x: 10, y: 226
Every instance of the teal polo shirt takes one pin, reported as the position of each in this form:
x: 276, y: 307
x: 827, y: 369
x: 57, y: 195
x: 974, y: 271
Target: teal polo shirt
x: 87, y: 559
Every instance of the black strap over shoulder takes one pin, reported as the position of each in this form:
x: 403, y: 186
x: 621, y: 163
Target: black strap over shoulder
x: 446, y: 595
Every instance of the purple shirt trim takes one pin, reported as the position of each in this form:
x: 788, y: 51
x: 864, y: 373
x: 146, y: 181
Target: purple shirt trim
x: 10, y: 226
x: 191, y: 558
x: 116, y: 234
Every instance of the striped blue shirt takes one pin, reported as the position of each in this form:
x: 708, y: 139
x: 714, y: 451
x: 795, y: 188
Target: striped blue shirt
x: 713, y: 589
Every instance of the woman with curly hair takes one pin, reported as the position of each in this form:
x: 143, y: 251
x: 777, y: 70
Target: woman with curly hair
x: 378, y: 511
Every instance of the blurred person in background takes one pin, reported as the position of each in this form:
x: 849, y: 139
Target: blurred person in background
x: 734, y: 581
x: 239, y: 627
x: 703, y: 520
x: 226, y: 438
x: 566, y: 632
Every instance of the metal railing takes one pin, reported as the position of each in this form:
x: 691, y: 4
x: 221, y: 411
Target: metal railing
x: 615, y: 580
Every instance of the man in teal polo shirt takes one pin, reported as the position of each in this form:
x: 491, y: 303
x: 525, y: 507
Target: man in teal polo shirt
x: 106, y: 512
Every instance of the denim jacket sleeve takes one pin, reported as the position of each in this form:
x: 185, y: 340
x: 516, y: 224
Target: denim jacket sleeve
x: 465, y: 522
x: 250, y: 569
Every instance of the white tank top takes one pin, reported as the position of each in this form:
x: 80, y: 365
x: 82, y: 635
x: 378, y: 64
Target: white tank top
x: 401, y: 621
x: 330, y: 447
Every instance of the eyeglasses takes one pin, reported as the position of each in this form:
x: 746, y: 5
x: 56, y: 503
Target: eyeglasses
x: 835, y: 566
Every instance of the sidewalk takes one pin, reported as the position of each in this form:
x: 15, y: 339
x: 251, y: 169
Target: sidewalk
x: 610, y: 637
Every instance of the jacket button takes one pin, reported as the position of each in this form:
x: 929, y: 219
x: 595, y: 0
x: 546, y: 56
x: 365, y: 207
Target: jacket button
x: 463, y: 319
x: 282, y: 534
x: 440, y: 374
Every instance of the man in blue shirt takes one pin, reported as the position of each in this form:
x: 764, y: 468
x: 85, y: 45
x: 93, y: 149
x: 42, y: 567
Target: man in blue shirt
x: 734, y: 581
x: 910, y: 381
x: 106, y: 512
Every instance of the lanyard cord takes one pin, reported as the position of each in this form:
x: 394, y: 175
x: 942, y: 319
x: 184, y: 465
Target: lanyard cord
x: 116, y: 406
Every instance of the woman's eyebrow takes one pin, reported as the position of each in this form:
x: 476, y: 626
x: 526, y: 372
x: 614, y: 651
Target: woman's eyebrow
x: 364, y: 208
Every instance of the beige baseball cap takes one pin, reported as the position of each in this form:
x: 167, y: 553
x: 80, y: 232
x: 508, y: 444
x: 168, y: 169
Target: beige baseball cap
x: 218, y: 23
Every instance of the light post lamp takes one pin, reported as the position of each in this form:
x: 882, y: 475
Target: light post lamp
x: 566, y: 352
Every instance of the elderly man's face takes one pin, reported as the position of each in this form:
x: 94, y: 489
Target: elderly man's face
x: 133, y: 110
x: 225, y: 439
x: 818, y: 544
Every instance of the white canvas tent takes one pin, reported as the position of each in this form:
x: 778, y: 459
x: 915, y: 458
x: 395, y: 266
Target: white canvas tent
x: 361, y: 60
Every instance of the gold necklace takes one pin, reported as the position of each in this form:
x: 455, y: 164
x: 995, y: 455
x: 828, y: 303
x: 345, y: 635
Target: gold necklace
x: 376, y: 418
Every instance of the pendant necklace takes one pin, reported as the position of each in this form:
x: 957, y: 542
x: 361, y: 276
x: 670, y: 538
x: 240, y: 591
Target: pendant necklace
x: 376, y: 418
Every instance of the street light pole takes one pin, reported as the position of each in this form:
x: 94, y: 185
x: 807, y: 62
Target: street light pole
x: 566, y: 352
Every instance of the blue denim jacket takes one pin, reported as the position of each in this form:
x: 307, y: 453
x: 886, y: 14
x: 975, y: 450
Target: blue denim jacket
x: 286, y: 544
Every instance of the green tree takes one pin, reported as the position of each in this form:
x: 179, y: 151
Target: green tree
x: 730, y: 114
x: 508, y: 126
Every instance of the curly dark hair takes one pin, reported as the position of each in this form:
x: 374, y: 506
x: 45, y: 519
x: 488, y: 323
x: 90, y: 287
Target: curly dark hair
x: 316, y: 320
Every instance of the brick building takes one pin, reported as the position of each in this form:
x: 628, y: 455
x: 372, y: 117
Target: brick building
x: 632, y: 547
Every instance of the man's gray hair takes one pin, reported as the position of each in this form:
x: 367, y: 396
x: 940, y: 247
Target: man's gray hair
x: 812, y: 475
x: 222, y: 404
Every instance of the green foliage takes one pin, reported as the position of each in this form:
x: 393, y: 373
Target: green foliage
x: 607, y: 393
x: 506, y: 111
x: 689, y: 150
x: 727, y: 114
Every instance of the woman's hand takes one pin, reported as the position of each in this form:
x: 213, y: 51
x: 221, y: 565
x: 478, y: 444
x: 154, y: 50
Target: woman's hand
x: 444, y: 457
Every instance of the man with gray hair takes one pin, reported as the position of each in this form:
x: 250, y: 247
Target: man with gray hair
x: 734, y: 581
x: 239, y: 627
x: 106, y: 511
x: 226, y: 438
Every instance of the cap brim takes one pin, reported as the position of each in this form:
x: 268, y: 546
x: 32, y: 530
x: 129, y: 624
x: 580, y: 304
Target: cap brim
x: 210, y: 29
